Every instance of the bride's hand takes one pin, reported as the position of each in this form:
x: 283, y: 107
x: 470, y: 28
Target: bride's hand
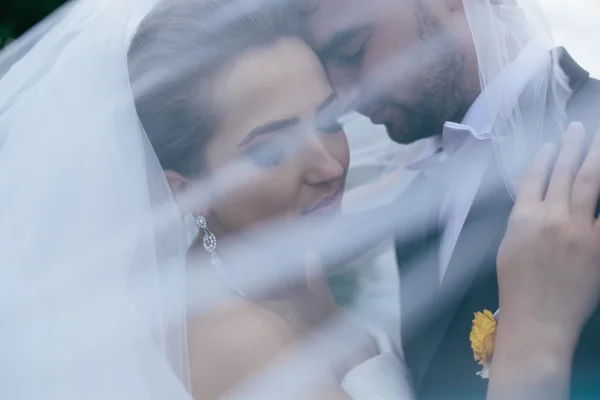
x: 548, y: 272
x: 549, y: 261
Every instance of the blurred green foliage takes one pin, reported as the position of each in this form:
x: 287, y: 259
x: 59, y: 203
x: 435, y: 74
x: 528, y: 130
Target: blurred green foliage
x: 17, y: 16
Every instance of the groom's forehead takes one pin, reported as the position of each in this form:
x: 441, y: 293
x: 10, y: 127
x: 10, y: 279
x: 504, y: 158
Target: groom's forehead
x: 327, y: 18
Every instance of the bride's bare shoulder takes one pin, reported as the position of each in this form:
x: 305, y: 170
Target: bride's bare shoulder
x: 236, y: 320
x: 231, y: 343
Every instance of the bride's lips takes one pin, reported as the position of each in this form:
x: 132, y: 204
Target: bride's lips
x: 329, y: 204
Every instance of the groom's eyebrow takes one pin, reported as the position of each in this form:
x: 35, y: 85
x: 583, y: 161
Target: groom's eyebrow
x: 338, y: 40
x: 269, y: 128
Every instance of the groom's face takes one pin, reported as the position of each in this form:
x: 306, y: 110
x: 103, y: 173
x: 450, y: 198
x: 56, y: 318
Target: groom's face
x: 406, y: 64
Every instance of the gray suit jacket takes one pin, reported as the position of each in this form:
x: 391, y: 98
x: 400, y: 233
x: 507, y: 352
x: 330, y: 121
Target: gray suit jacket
x: 436, y: 343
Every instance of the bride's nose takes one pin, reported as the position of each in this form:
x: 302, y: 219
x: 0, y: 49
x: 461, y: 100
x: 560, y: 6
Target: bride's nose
x: 321, y: 165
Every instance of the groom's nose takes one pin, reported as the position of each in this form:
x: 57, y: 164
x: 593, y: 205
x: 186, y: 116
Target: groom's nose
x: 345, y: 83
x: 356, y: 95
x: 342, y: 82
x: 348, y: 99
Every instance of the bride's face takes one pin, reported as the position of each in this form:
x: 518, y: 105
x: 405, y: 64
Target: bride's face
x: 276, y: 115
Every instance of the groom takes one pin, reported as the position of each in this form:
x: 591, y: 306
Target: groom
x: 448, y: 273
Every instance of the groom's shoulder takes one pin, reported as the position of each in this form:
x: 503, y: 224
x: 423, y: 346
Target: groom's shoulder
x: 590, y: 92
x: 584, y: 105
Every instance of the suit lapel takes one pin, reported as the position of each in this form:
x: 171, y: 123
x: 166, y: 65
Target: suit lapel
x: 485, y: 225
x: 475, y: 248
x: 474, y: 256
x: 473, y: 260
x: 417, y: 260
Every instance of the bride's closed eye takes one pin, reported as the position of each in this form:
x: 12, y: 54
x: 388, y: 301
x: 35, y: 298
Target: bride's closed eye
x: 268, y: 154
x: 276, y: 140
x: 271, y: 151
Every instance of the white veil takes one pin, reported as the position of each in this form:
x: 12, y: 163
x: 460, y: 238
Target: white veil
x: 16, y: 49
x: 504, y: 30
x: 92, y: 248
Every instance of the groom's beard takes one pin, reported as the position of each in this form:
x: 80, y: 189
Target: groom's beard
x: 414, y: 123
x: 427, y: 97
x: 438, y: 93
x: 425, y: 93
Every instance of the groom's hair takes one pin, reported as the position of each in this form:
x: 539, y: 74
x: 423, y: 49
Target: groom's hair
x: 174, y: 58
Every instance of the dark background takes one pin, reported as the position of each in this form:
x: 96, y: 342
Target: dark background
x: 17, y: 16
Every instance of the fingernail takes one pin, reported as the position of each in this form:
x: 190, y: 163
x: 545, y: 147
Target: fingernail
x: 576, y: 127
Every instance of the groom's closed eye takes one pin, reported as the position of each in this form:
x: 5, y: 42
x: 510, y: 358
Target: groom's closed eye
x: 347, y: 47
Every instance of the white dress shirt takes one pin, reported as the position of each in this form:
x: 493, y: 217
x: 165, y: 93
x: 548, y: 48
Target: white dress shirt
x: 467, y: 149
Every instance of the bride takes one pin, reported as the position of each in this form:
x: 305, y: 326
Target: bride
x: 140, y: 105
x: 253, y: 93
x: 135, y: 140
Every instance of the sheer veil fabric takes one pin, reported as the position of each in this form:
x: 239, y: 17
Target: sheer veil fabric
x: 92, y: 243
x: 92, y: 246
x: 12, y: 52
x: 521, y: 122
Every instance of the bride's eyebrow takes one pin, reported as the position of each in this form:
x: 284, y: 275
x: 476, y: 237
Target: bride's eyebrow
x: 269, y: 128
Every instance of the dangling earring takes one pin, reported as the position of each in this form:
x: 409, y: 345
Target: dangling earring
x: 209, y: 241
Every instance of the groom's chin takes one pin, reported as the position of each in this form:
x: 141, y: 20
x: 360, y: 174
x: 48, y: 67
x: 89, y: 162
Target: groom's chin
x: 400, y: 134
x: 413, y: 127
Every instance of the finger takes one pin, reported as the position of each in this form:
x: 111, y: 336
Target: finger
x: 533, y: 185
x: 567, y: 165
x: 587, y: 183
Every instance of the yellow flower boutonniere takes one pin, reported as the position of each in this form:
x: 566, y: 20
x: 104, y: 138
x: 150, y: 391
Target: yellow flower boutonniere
x: 483, y: 335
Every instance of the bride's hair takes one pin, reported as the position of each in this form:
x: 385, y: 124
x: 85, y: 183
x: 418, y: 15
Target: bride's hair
x: 174, y: 57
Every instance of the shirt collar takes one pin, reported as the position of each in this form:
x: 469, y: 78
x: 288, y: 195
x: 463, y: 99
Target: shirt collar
x: 478, y: 121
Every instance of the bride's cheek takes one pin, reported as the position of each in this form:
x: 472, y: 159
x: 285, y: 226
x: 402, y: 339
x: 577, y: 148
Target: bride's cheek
x: 259, y: 200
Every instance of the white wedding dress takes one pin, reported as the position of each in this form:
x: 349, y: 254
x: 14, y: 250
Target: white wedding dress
x: 382, y: 377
